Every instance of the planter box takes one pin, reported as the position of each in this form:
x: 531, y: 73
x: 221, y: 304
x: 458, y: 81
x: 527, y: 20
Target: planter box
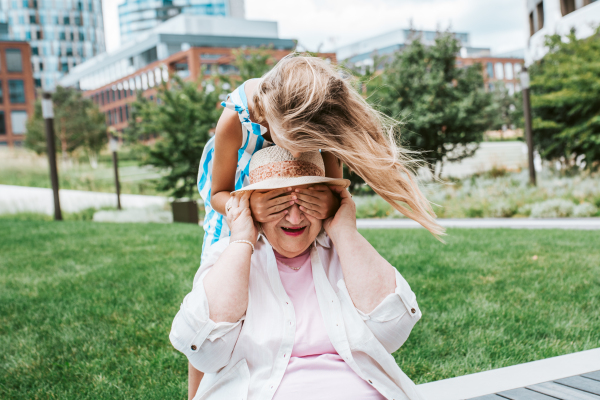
x: 185, y: 211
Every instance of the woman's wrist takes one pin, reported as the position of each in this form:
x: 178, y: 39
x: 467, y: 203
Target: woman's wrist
x: 346, y: 235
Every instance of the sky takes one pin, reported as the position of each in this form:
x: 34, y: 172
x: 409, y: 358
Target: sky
x: 327, y: 24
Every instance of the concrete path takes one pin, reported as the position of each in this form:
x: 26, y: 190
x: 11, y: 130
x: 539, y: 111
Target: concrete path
x: 512, y: 223
x: 16, y: 199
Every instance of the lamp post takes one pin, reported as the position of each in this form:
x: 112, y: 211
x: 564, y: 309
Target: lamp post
x: 528, y: 132
x: 48, y: 115
x: 113, y: 145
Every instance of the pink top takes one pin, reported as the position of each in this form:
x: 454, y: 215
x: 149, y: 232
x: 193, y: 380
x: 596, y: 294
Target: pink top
x: 315, y: 370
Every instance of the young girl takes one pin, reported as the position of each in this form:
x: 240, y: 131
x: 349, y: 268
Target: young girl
x: 304, y: 104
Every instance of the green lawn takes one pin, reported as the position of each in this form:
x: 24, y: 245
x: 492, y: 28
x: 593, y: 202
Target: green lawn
x: 86, y: 308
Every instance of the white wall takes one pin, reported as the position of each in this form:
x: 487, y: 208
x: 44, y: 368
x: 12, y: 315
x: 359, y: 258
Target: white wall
x: 584, y: 20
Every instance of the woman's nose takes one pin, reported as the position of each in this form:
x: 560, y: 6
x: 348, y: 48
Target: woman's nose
x: 294, y: 215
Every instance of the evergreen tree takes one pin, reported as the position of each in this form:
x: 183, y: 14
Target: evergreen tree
x: 565, y: 100
x: 183, y: 116
x: 442, y: 107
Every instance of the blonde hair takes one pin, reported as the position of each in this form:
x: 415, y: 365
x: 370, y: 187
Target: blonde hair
x: 313, y: 105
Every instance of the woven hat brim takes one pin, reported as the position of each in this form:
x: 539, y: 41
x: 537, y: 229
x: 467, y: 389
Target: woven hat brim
x: 279, y: 183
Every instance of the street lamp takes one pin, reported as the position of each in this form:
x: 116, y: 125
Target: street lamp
x: 528, y: 132
x: 48, y: 115
x: 113, y: 145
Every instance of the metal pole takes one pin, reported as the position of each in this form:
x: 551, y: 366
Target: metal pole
x: 113, y: 147
x: 528, y: 130
x: 48, y: 115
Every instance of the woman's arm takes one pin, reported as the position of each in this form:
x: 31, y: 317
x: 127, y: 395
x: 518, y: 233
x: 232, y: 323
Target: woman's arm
x: 228, y: 139
x: 369, y: 277
x: 226, y: 284
x: 194, y: 378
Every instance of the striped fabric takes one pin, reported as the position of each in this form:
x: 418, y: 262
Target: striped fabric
x: 215, y: 226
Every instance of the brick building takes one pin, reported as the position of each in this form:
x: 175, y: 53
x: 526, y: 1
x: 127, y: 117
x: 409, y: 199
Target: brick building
x: 496, y: 70
x: 114, y: 99
x: 17, y: 92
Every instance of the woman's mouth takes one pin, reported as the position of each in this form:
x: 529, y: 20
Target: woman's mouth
x: 293, y: 231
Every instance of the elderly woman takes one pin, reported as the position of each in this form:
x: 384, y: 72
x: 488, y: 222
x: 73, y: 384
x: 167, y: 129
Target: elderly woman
x: 298, y: 308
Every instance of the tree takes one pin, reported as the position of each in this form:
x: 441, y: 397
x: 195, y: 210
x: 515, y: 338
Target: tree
x: 78, y: 124
x: 250, y: 63
x: 183, y: 116
x: 565, y: 101
x: 505, y: 110
x: 442, y: 107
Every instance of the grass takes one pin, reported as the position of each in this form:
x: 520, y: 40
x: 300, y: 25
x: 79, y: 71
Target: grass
x: 23, y: 168
x: 86, y: 308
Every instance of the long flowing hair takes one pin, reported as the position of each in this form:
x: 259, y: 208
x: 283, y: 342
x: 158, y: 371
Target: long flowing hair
x: 311, y: 104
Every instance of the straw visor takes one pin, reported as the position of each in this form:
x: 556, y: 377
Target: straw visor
x: 274, y: 168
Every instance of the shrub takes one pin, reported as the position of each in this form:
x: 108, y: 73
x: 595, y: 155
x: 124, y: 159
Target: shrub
x: 555, y: 208
x: 585, y: 210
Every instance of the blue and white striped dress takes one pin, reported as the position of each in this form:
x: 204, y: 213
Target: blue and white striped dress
x: 215, y: 225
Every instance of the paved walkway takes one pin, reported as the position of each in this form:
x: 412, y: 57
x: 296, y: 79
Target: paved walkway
x: 512, y: 223
x: 15, y: 199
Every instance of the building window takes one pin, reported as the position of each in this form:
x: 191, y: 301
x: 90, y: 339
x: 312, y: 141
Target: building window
x: 67, y: 20
x: 127, y: 112
x: 490, y: 70
x: 540, y: 15
x: 37, y: 82
x: 14, y: 61
x: 508, y: 71
x: 113, y: 95
x: 62, y: 36
x: 77, y: 20
x: 517, y: 70
x: 102, y: 98
x: 121, y: 114
x: 2, y: 124
x: 35, y: 51
x: 16, y: 91
x: 567, y: 6
x: 18, y: 120
x: 38, y: 35
x: 64, y: 67
x: 1, y: 94
x: 499, y: 70
x: 32, y: 19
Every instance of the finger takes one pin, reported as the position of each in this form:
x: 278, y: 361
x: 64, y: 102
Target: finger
x: 311, y: 209
x: 276, y: 216
x: 279, y: 207
x: 277, y: 192
x: 312, y: 213
x: 319, y: 187
x: 279, y: 200
x: 245, y: 200
x: 317, y: 201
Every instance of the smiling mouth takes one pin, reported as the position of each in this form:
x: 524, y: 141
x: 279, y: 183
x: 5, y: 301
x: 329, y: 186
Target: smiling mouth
x: 294, y: 231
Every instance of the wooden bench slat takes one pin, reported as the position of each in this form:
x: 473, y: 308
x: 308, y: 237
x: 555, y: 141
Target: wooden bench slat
x: 489, y: 397
x: 578, y: 382
x: 593, y: 375
x: 562, y: 392
x: 525, y: 394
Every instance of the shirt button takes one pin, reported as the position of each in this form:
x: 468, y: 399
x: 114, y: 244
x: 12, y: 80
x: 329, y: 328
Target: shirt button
x: 194, y: 347
x: 412, y: 310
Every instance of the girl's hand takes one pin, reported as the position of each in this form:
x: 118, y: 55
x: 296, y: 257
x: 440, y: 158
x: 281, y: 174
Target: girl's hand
x: 344, y: 220
x: 317, y: 201
x: 272, y: 205
x: 239, y: 219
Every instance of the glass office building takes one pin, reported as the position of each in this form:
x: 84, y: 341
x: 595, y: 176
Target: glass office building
x: 61, y: 33
x: 137, y: 16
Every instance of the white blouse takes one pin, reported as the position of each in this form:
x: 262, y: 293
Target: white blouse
x: 247, y: 359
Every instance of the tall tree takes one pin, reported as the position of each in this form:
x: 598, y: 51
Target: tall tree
x: 183, y: 116
x: 250, y: 63
x: 565, y: 100
x: 442, y: 107
x: 78, y: 124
